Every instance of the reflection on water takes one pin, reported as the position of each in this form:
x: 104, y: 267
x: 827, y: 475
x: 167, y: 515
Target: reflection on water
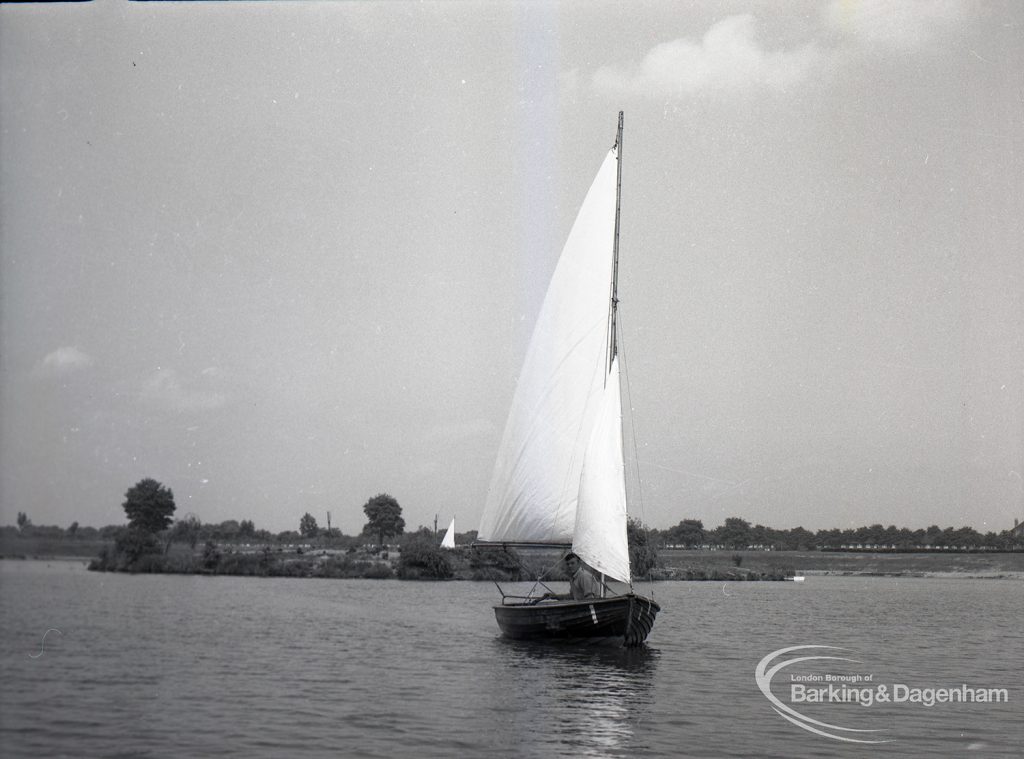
x: 592, y: 698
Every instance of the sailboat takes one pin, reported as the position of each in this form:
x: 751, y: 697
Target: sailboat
x: 559, y: 478
x: 448, y: 541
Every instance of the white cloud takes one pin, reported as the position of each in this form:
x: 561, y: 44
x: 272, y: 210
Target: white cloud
x: 164, y: 388
x: 904, y: 26
x: 63, y: 361
x: 729, y: 58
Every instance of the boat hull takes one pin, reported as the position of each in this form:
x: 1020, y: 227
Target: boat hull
x: 627, y: 619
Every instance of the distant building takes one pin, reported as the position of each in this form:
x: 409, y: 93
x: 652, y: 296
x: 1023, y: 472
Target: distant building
x: 1018, y: 529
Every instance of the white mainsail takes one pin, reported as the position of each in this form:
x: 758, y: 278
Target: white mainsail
x: 448, y: 541
x: 562, y: 414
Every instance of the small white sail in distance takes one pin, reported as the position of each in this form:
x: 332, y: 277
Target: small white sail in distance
x: 449, y: 537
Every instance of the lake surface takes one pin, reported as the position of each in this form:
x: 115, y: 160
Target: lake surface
x: 170, y: 666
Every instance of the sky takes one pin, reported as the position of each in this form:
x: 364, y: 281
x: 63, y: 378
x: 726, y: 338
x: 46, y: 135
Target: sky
x: 285, y: 257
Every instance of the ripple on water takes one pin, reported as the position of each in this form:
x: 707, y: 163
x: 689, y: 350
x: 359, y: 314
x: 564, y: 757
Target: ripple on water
x: 178, y: 666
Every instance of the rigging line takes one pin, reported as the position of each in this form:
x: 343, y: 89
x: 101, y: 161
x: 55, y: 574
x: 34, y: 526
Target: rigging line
x: 538, y: 580
x: 632, y: 424
x: 624, y: 371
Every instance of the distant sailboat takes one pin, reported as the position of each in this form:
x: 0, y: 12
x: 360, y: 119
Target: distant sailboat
x: 559, y: 479
x: 449, y: 537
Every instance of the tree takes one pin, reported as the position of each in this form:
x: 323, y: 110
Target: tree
x: 226, y: 530
x: 23, y: 521
x: 308, y: 526
x: 829, y: 538
x: 187, y: 530
x: 73, y: 529
x: 735, y: 533
x: 149, y: 506
x: 760, y: 535
x: 385, y: 517
x: 642, y: 555
x: 689, y: 532
x: 800, y: 539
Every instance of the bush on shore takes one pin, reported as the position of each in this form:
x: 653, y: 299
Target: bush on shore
x: 422, y: 560
x: 134, y: 550
x: 492, y: 564
x: 345, y: 567
x: 136, y: 554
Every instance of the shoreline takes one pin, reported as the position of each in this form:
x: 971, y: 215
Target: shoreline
x: 673, y: 572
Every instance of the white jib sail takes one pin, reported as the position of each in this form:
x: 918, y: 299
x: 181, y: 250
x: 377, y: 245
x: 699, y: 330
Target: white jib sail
x: 535, y: 484
x: 600, y: 534
x: 449, y: 537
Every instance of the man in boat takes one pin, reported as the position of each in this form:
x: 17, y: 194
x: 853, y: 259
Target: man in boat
x: 582, y: 583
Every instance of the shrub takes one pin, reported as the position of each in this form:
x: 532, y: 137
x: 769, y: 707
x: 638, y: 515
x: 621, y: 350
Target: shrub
x: 492, y: 564
x: 339, y: 566
x: 130, y: 546
x: 240, y: 564
x: 345, y: 568
x: 266, y: 559
x: 104, y: 562
x: 150, y: 563
x: 292, y: 568
x: 421, y: 559
x: 180, y: 563
x: 211, y: 556
x: 376, y: 571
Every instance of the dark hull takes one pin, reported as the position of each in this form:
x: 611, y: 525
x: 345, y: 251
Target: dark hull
x: 628, y: 619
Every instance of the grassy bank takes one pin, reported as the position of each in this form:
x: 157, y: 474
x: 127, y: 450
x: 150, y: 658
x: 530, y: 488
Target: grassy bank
x: 682, y: 564
x: 35, y: 547
x: 413, y: 562
x: 465, y: 564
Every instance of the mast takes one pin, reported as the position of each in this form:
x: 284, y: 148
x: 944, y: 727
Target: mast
x: 613, y: 341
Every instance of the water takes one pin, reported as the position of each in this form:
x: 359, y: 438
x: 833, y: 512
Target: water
x: 169, y: 666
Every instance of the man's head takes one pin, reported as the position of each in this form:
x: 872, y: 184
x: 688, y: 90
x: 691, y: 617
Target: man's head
x: 572, y: 562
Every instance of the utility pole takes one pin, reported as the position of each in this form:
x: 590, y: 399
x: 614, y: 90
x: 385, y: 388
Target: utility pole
x: 435, y: 525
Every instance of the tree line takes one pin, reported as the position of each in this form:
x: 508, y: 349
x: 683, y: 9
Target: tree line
x: 149, y: 506
x: 737, y: 533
